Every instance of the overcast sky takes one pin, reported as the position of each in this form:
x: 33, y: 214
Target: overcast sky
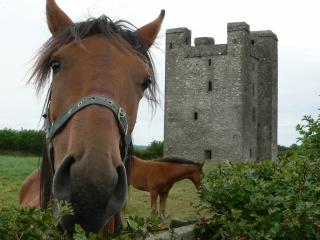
x: 296, y: 23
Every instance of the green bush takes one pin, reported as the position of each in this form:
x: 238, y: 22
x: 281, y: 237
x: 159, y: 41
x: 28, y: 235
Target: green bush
x: 309, y: 131
x: 28, y: 223
x: 266, y: 200
x: 283, y: 151
x: 34, y: 223
x: 25, y: 141
x: 154, y: 150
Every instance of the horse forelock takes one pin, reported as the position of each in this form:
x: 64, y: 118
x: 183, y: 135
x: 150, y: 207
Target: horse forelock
x: 116, y: 32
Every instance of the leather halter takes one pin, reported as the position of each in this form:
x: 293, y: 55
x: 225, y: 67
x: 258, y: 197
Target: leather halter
x: 52, y: 128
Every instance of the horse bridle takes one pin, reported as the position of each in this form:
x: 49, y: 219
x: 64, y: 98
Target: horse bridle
x: 52, y: 128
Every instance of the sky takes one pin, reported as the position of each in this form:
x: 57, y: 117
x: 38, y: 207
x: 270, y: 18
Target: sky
x: 296, y: 23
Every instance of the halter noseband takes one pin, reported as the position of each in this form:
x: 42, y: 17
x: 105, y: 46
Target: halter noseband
x: 52, y: 128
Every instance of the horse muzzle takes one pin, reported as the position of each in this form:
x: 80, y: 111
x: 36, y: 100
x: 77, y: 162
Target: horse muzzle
x: 95, y: 193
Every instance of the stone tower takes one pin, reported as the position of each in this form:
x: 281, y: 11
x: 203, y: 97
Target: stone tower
x: 221, y: 100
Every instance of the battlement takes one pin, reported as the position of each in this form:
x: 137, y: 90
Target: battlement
x: 261, y: 34
x: 178, y: 37
x: 239, y: 36
x: 238, y: 26
x: 203, y: 41
x: 177, y: 30
x: 205, y: 51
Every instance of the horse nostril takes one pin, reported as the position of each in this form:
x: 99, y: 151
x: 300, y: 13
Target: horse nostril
x: 62, y: 180
x: 117, y: 200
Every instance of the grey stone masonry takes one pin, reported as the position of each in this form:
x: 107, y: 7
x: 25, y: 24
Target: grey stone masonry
x: 221, y: 100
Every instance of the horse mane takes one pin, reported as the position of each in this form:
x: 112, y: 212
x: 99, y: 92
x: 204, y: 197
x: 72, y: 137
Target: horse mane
x: 46, y: 178
x: 176, y: 160
x: 117, y: 32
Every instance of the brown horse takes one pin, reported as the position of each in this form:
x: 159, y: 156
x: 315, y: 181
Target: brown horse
x: 100, y: 70
x: 158, y: 176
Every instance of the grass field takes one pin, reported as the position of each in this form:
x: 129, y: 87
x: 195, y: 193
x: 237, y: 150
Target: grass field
x: 182, y: 197
x: 13, y: 171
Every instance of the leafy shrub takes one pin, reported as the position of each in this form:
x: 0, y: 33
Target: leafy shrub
x: 26, y: 141
x: 283, y: 151
x: 154, y: 150
x: 309, y: 131
x: 140, y: 228
x: 266, y: 200
x: 29, y: 223
x: 34, y: 223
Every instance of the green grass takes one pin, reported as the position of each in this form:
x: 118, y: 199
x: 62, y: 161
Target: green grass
x: 13, y: 170
x: 182, y: 197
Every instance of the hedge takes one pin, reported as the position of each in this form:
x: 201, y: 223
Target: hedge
x: 266, y: 200
x: 26, y: 141
x: 31, y: 142
x: 35, y: 223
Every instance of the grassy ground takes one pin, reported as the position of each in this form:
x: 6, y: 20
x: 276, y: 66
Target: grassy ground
x: 182, y: 197
x: 13, y: 171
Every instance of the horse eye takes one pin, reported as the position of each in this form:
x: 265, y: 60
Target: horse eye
x: 55, y: 65
x: 146, y: 83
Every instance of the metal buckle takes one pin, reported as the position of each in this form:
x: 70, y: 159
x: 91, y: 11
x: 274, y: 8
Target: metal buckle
x: 122, y: 115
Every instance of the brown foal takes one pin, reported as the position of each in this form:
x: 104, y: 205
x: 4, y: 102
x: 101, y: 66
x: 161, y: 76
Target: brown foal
x: 158, y: 176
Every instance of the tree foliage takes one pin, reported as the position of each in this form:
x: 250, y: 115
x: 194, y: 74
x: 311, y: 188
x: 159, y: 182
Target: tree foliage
x: 265, y: 200
x: 154, y: 150
x: 25, y: 141
x: 309, y: 131
x: 35, y: 223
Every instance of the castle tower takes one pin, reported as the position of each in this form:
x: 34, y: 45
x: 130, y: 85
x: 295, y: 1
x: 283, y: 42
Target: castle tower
x: 221, y: 100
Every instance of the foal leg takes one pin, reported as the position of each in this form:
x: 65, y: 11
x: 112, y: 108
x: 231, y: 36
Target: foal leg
x: 109, y: 228
x: 163, y: 201
x: 118, y: 222
x: 154, y: 197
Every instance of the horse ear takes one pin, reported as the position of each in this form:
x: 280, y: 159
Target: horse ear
x: 149, y: 32
x: 56, y: 18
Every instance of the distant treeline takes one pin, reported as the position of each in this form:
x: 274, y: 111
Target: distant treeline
x: 31, y: 142
x: 152, y: 151
x: 21, y: 141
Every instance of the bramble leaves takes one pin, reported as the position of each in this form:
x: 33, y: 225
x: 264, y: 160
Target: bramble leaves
x: 266, y: 200
x: 34, y: 223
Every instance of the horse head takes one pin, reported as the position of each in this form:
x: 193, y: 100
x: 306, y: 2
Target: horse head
x: 198, y: 175
x: 100, y: 70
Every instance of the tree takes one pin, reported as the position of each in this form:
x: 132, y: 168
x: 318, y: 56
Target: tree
x: 154, y: 150
x: 309, y: 131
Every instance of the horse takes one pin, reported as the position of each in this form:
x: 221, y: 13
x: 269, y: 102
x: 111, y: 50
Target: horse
x: 97, y: 72
x: 158, y: 176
